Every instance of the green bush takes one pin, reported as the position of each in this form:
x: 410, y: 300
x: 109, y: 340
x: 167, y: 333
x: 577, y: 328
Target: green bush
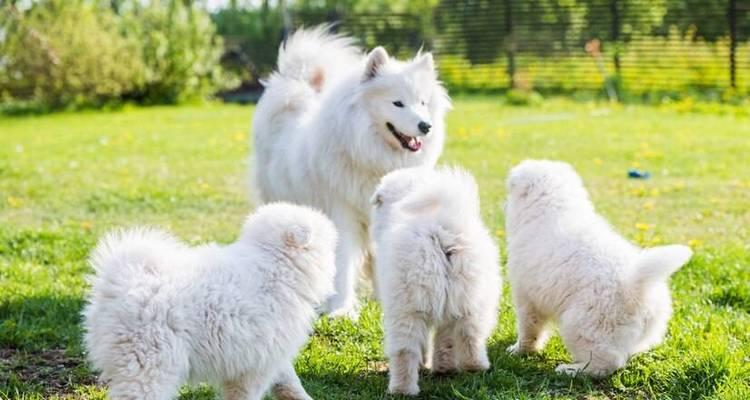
x: 77, y: 53
x: 179, y: 49
x: 65, y: 54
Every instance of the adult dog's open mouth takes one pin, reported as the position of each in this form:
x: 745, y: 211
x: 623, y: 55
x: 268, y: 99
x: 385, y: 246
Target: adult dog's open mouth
x: 410, y: 143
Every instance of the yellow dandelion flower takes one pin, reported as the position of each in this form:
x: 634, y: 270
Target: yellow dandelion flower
x: 87, y: 225
x: 635, y: 164
x: 693, y: 243
x: 14, y: 202
x: 239, y: 137
x: 500, y: 233
x: 639, y: 191
x: 463, y: 133
x: 598, y: 161
x: 649, y: 205
x: 655, y: 192
x: 642, y: 226
x: 656, y: 240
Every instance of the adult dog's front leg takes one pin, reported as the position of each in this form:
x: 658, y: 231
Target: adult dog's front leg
x: 349, y: 260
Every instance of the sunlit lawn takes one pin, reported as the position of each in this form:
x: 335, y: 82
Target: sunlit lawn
x: 67, y: 178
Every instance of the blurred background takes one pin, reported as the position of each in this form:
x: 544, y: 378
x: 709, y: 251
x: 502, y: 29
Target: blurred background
x: 70, y: 54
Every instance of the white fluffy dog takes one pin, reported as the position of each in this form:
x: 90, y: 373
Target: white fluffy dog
x: 566, y: 264
x: 161, y: 313
x: 331, y: 123
x: 437, y: 269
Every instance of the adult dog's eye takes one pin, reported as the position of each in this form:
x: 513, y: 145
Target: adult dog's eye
x: 448, y: 253
x: 398, y: 104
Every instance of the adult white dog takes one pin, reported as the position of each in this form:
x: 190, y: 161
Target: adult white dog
x: 437, y: 269
x: 161, y: 313
x: 331, y: 123
x: 565, y: 264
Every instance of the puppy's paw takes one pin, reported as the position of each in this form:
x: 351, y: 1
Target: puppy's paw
x: 404, y: 389
x: 476, y: 365
x: 570, y: 369
x: 576, y: 369
x: 516, y: 349
x: 286, y: 392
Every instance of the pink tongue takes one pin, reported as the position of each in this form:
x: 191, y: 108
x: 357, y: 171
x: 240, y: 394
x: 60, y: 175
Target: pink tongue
x: 414, y: 144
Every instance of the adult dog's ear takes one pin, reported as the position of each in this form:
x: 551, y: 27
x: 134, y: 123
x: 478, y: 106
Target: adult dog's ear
x: 375, y: 60
x: 426, y: 63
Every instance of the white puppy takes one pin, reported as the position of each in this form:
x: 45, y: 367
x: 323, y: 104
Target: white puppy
x: 161, y: 313
x: 437, y: 269
x: 566, y: 264
x: 331, y: 123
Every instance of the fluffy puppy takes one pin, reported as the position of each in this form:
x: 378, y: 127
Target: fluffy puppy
x: 161, y: 313
x: 437, y: 273
x: 609, y: 297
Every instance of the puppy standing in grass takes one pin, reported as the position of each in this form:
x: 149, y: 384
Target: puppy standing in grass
x: 161, y: 313
x: 566, y: 264
x: 437, y: 269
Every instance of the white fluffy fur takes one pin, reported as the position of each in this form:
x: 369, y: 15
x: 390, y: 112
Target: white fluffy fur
x: 321, y: 137
x: 437, y: 272
x: 609, y: 298
x: 161, y: 313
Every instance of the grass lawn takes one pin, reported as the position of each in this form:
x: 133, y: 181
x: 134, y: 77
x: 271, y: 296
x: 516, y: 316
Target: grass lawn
x: 67, y: 178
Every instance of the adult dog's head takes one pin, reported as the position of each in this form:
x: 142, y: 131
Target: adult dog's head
x: 405, y: 103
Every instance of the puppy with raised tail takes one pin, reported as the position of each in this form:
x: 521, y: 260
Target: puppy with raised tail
x: 609, y: 297
x: 161, y: 313
x: 437, y: 273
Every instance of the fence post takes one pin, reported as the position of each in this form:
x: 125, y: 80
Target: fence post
x: 615, y: 32
x: 732, y: 14
x: 510, y: 43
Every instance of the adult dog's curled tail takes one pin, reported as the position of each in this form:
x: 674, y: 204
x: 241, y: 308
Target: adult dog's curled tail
x: 317, y: 57
x: 657, y: 264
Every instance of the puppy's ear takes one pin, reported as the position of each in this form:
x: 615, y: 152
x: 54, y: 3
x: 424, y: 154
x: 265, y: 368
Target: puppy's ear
x: 297, y: 236
x: 375, y: 60
x: 519, y: 184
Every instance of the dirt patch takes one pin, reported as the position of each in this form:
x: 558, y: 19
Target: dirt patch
x: 50, y: 372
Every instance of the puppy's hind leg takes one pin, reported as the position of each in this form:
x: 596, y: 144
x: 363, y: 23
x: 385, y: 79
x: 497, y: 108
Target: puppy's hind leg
x: 250, y: 386
x: 470, y: 345
x: 405, y: 339
x: 444, y: 355
x: 137, y: 368
x: 288, y: 386
x: 532, y: 328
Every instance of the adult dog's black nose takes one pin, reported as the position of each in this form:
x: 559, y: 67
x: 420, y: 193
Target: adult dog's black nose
x: 424, y: 127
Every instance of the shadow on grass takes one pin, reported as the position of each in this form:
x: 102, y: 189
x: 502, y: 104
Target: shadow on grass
x: 509, y: 377
x: 40, y: 351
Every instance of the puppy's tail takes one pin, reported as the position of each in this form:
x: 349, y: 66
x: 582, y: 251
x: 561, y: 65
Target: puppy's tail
x: 126, y: 259
x: 451, y: 197
x: 657, y: 264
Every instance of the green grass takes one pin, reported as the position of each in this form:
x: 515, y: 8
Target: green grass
x: 67, y: 178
